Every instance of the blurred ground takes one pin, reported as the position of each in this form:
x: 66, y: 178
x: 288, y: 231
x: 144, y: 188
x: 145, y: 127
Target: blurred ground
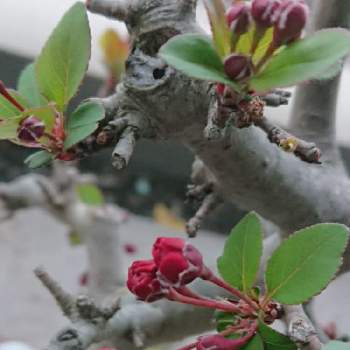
x: 33, y: 238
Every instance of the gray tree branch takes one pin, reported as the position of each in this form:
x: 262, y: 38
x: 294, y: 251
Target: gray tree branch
x: 314, y: 112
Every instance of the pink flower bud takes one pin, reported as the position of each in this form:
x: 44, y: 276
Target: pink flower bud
x: 239, y: 18
x: 219, y: 342
x: 143, y: 282
x: 178, y: 263
x: 290, y: 20
x: 238, y: 67
x: 263, y: 12
x: 30, y: 129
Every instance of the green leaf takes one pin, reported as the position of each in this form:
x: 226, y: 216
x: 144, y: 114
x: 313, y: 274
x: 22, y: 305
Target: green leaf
x: 255, y: 343
x: 219, y: 27
x: 28, y: 87
x: 90, y: 194
x: 224, y: 320
x: 304, y: 60
x: 83, y: 122
x: 240, y: 261
x: 336, y: 345
x: 304, y: 264
x: 63, y: 61
x: 194, y: 55
x: 274, y: 340
x: 39, y: 159
x: 7, y: 109
x: 8, y: 128
x: 87, y: 113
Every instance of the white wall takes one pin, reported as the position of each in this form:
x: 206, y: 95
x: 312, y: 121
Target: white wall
x: 26, y: 24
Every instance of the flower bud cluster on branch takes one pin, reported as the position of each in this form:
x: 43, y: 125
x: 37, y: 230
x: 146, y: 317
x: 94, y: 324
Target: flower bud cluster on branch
x: 176, y: 264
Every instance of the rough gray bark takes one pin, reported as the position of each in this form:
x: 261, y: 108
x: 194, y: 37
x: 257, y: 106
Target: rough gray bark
x: 155, y: 101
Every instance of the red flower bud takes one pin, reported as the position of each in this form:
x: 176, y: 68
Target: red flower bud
x: 143, y: 282
x: 178, y: 263
x: 290, y: 20
x: 30, y: 129
x: 263, y: 12
x: 238, y: 67
x: 219, y: 342
x: 220, y: 89
x: 239, y: 18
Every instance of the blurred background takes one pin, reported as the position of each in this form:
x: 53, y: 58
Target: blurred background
x: 152, y: 188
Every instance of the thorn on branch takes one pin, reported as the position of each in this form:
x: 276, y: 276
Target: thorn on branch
x: 306, y: 151
x: 275, y: 100
x: 203, y: 190
x: 64, y: 300
x: 209, y: 203
x: 124, y: 148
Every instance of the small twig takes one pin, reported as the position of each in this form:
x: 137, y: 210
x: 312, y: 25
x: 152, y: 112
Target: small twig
x: 210, y: 202
x: 300, y: 328
x: 64, y: 300
x: 124, y: 148
x: 306, y: 151
x: 275, y: 99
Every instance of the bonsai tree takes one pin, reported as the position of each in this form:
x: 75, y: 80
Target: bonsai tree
x: 209, y: 93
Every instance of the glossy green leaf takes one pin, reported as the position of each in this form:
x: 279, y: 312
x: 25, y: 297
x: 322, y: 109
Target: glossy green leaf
x: 28, y: 87
x: 83, y: 122
x: 90, y: 194
x: 194, y: 55
x: 87, y: 113
x: 219, y: 27
x: 304, y: 264
x: 63, y: 61
x: 255, y: 343
x: 336, y: 345
x: 8, y: 128
x: 274, y: 340
x: 7, y: 109
x: 304, y: 60
x: 240, y: 261
x: 39, y: 159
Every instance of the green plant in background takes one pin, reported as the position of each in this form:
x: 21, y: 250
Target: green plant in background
x: 36, y: 114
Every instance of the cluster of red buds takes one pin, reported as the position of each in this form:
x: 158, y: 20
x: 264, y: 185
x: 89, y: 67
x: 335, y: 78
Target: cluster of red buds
x: 31, y: 130
x: 286, y: 17
x: 176, y: 264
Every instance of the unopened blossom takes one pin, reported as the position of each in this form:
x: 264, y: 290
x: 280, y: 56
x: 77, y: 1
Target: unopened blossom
x: 290, y: 21
x: 238, y: 67
x: 178, y: 262
x: 239, y: 18
x: 30, y: 129
x: 143, y: 281
x: 263, y: 12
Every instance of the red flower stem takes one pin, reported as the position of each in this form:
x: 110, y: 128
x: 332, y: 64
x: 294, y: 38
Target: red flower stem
x: 220, y: 283
x: 189, y: 293
x: 8, y: 97
x: 207, y: 303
